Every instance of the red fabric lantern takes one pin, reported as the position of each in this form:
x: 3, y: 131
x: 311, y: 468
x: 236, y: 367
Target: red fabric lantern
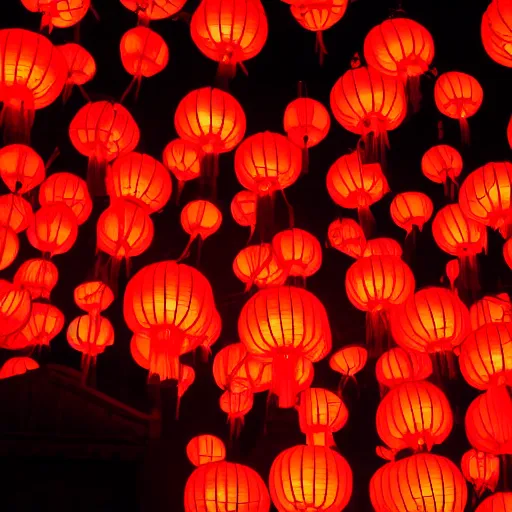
x: 306, y: 122
x: 349, y: 361
x: 490, y: 309
x: 204, y: 449
x: 45, y: 322
x: 21, y: 168
x: 9, y: 246
x: 81, y: 67
x: 17, y: 366
x: 38, y: 277
x: 154, y: 9
x: 33, y: 74
x: 481, y: 470
x: 499, y: 502
x: 442, y: 164
x: 236, y: 406
x: 411, y: 210
x: 15, y: 307
x: 243, y: 209
x: 347, y: 236
x: 382, y: 247
x: 15, y: 212
x: 59, y: 13
x: 496, y: 31
x: 93, y: 297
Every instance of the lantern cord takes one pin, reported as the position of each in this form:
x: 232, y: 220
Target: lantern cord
x: 186, y: 251
x: 366, y: 220
x: 251, y: 234
x: 76, y: 33
x: 143, y: 18
x: 410, y: 245
x: 377, y: 337
x: 205, y: 353
x: 320, y: 47
x: 136, y: 81
x: 94, y: 12
x: 291, y: 214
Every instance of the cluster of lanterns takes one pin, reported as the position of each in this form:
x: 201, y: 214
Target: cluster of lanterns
x: 283, y: 328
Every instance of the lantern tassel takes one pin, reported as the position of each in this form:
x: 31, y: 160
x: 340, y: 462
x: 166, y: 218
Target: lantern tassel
x: 320, y: 47
x: 16, y: 119
x: 464, y: 131
x: 413, y: 89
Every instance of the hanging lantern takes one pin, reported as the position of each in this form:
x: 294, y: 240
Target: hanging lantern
x: 485, y: 196
x: 369, y: 104
x: 236, y: 406
x: 298, y: 252
x: 59, y: 13
x: 33, y: 74
x: 54, y: 229
x: 486, y: 356
x: 15, y: 307
x: 285, y: 323
x: 204, y: 449
x: 499, y: 502
x: 102, y: 131
x: 321, y: 413
x: 411, y: 210
x: 141, y: 179
x: 481, y: 470
x: 489, y: 422
x: 17, y: 366
x: 93, y: 297
x: 490, y: 309
x: 44, y: 324
x: 415, y: 415
x: 442, y: 164
x: 352, y: 184
x: 154, y: 9
x: 243, y: 209
x: 144, y: 53
x: 226, y: 368
x: 347, y: 236
x: 349, y: 361
x: 67, y: 188
x: 81, y: 67
x: 374, y: 284
x: 382, y: 247
x: 402, y: 48
x: 229, y: 32
x: 211, y: 335
x: 38, y: 277
x: 15, y: 212
x: 21, y: 168
x: 310, y: 478
x: 496, y: 31
x: 257, y: 265
x: 458, y: 96
x: 9, y: 246
x: 429, y: 482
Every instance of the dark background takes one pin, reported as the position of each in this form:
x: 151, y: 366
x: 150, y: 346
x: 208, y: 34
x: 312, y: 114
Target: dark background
x: 287, y: 57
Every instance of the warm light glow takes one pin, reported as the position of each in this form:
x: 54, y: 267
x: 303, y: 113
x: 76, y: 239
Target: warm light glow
x: 306, y: 122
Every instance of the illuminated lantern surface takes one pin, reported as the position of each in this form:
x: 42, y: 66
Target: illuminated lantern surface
x: 485, y: 196
x: 236, y: 405
x: 481, y: 470
x: 93, y: 296
x: 201, y: 219
x: 81, y: 64
x: 15, y: 212
x: 349, y: 360
x: 229, y: 32
x: 38, y: 277
x: 496, y: 31
x: 489, y: 422
x: 267, y: 162
x: 17, y: 366
x: 321, y: 413
x: 155, y: 9
x: 499, y: 502
x: 67, y: 188
x: 306, y: 122
x: 486, y: 356
x: 15, y: 307
x: 90, y: 336
x: 21, y: 168
x: 183, y: 159
x: 226, y: 368
x: 33, y: 73
x: 59, y: 13
x: 204, y: 449
x: 9, y: 246
x: 490, y: 309
x: 382, y: 247
x: 212, y: 119
x: 222, y: 485
x: 411, y: 209
x: 414, y: 415
x: 347, y: 236
x: 429, y: 482
x: 243, y: 209
x: 397, y: 366
x: 442, y: 164
x: 141, y: 179
x: 257, y: 264
x: 310, y: 478
x: 54, y: 229
x: 45, y: 322
x: 298, y: 252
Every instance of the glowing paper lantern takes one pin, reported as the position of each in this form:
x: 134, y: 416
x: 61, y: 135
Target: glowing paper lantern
x: 481, y: 470
x: 204, y: 449
x: 349, y: 361
x: 411, y: 210
x: 93, y: 297
x: 44, y: 324
x: 58, y: 13
x: 15, y: 212
x: 21, y: 168
x: 154, y: 9
x: 347, y: 236
x: 15, y: 307
x: 38, y: 277
x: 382, y: 247
x: 236, y: 406
x: 499, y: 502
x: 81, y: 67
x: 496, y: 31
x: 17, y: 366
x: 9, y: 246
x: 442, y: 164
x: 257, y: 264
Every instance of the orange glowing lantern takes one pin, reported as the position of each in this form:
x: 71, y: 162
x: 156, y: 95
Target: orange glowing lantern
x: 321, y: 413
x: 349, y: 361
x: 486, y: 356
x: 172, y: 303
x: 102, y: 131
x: 54, y: 229
x: 15, y: 212
x: 481, y: 470
x: 442, y: 164
x: 298, y: 252
x: 485, y: 196
x: 21, y: 168
x: 490, y: 309
x: 38, y: 277
x: 347, y: 236
x: 226, y: 368
x: 81, y: 67
x: 415, y: 415
x: 141, y: 179
x: 33, y: 74
x: 489, y: 422
x: 183, y: 159
x: 310, y: 478
x: 382, y: 247
x: 496, y: 31
x: 369, y: 103
x: 411, y: 210
x: 67, y: 188
x: 93, y: 297
x: 204, y: 449
x: 15, y: 307
x: 285, y: 323
x: 397, y: 366
x: 429, y: 482
x: 257, y: 264
x: 458, y: 96
x: 45, y: 322
x: 452, y: 272
x: 499, y: 502
x: 59, y: 13
x: 9, y: 246
x: 17, y: 366
x: 352, y: 184
x: 229, y: 32
x: 236, y: 406
x: 154, y: 9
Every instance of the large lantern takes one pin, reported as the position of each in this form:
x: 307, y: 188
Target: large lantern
x: 482, y: 470
x: 442, y: 164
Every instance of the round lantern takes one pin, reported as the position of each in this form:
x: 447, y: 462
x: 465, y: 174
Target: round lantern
x: 442, y: 164
x: 17, y: 366
x: 481, y: 470
x: 93, y: 296
x: 9, y: 246
x: 347, y: 236
x: 154, y: 9
x: 423, y: 481
x: 59, y: 13
x: 54, y: 229
x: 33, y: 73
x: 211, y: 335
x: 81, y: 67
x: 310, y: 478
x: 458, y: 96
x: 229, y: 32
x: 15, y: 307
x: 102, y: 131
x: 285, y: 323
x: 226, y: 368
x: 183, y: 159
x: 369, y: 103
x: 236, y: 406
x: 38, y: 277
x: 415, y: 415
x: 15, y: 212
x: 411, y: 210
x: 496, y: 31
x: 67, y: 188
x: 257, y: 264
x: 21, y: 168
x: 204, y: 449
x: 45, y: 322
x: 349, y: 361
x: 382, y: 247
x: 141, y: 179
x: 499, y: 502
x: 490, y: 309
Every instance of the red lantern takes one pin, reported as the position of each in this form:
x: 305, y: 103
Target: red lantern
x: 306, y: 122
x: 204, y: 449
x: 411, y: 210
x: 490, y: 309
x: 17, y: 366
x: 9, y: 246
x: 481, y: 470
x: 243, y: 209
x: 236, y: 406
x: 15, y: 307
x: 81, y: 67
x: 499, y: 502
x: 382, y: 247
x: 15, y: 212
x: 496, y: 31
x: 349, y: 361
x: 58, y: 13
x: 347, y: 236
x: 38, y: 277
x: 21, y: 168
x: 154, y: 9
x: 93, y: 297
x: 442, y: 164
